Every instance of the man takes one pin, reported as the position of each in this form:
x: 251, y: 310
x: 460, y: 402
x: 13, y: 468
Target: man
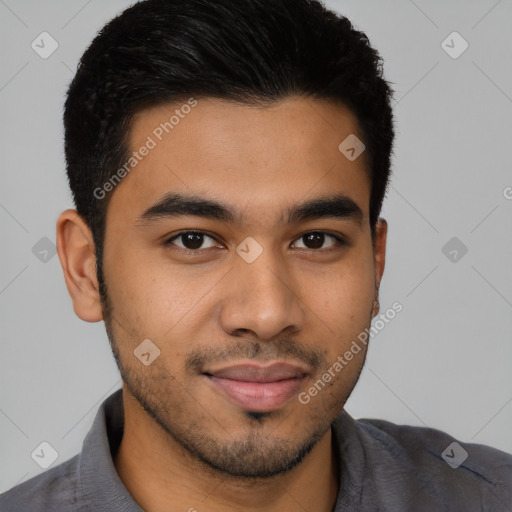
x: 228, y: 162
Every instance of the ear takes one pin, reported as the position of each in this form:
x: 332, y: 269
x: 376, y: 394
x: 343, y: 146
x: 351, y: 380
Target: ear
x: 379, y: 257
x: 75, y: 247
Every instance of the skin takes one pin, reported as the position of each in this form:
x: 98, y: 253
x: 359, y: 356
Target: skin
x: 185, y: 445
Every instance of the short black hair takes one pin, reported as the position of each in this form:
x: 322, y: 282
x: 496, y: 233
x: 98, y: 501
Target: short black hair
x: 255, y: 52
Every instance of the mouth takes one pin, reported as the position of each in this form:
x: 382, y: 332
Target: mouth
x: 258, y: 388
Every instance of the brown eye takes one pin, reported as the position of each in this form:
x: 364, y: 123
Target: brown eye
x: 316, y: 240
x: 191, y: 240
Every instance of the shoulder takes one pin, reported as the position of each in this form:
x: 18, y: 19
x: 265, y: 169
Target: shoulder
x: 439, y: 465
x: 46, y: 492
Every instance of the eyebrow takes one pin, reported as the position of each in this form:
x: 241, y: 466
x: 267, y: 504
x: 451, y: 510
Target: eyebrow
x: 172, y: 205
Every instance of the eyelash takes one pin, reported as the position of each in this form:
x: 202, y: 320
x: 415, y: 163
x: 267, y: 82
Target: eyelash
x: 339, y: 242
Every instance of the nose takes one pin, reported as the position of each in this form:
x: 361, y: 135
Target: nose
x: 261, y: 298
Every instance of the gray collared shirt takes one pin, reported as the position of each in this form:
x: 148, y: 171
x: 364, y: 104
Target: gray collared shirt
x: 383, y: 467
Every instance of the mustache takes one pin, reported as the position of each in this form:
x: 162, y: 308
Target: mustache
x: 261, y: 351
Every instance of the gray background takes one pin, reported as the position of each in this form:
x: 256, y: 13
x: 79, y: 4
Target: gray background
x: 444, y: 361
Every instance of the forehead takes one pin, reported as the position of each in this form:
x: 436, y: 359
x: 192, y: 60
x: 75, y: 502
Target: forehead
x: 262, y: 159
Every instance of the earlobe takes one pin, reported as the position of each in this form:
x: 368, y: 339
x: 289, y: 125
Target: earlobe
x: 75, y: 247
x: 379, y: 253
x: 376, y: 304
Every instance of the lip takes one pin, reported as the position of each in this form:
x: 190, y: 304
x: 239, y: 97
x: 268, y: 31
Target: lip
x: 255, y: 387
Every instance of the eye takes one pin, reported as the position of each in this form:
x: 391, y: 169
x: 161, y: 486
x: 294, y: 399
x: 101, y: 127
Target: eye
x: 316, y: 239
x: 192, y: 240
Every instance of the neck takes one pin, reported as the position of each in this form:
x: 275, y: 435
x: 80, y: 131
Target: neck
x: 158, y: 472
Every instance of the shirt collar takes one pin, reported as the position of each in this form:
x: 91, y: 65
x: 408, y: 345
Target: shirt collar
x: 99, y: 482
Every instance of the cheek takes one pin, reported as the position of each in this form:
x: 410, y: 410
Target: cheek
x: 153, y: 297
x: 140, y: 291
x: 343, y: 295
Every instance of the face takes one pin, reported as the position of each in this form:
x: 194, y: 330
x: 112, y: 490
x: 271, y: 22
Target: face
x: 240, y: 246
